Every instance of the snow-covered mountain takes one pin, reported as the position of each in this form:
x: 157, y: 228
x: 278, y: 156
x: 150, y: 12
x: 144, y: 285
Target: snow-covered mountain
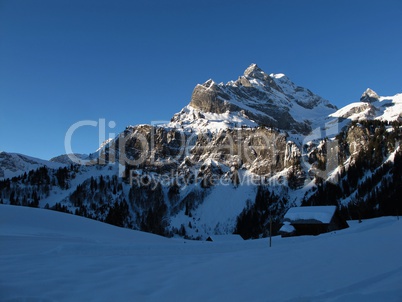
x: 372, y: 107
x: 66, y: 158
x: 255, y: 98
x: 14, y: 164
x: 237, y: 154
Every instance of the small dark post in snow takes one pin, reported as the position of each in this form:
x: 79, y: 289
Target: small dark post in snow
x: 270, y: 231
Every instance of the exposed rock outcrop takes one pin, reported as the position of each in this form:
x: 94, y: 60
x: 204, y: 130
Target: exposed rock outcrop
x: 369, y: 96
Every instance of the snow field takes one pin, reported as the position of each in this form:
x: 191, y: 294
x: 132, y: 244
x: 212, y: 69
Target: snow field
x: 51, y: 256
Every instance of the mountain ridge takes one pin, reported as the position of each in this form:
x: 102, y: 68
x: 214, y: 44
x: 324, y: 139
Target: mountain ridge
x: 271, y: 100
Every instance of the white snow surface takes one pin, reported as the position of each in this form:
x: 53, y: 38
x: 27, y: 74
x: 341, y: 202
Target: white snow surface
x: 192, y: 119
x: 320, y: 213
x: 51, y: 256
x: 287, y: 227
x: 387, y: 108
x: 218, y: 212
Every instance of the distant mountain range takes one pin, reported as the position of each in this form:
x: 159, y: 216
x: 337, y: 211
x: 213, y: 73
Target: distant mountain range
x: 239, y: 153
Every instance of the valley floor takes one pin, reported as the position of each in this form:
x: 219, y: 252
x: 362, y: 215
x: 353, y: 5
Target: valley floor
x: 51, y: 256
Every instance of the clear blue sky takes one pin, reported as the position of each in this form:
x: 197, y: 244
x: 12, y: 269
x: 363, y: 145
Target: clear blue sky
x: 135, y: 62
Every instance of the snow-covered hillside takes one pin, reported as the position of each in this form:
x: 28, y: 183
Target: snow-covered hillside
x: 14, y: 164
x: 373, y: 107
x: 51, y: 256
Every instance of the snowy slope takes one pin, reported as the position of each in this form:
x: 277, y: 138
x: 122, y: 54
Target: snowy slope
x: 79, y: 158
x: 218, y: 212
x: 85, y: 172
x: 50, y: 256
x: 192, y: 119
x: 305, y: 104
x: 385, y: 108
x: 14, y: 164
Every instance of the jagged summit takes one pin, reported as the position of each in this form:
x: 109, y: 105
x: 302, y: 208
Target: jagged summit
x: 255, y: 77
x: 255, y: 98
x: 253, y: 71
x: 369, y: 96
x: 209, y: 83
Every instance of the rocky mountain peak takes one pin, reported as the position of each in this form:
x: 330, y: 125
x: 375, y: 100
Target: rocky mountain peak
x: 209, y: 83
x: 265, y: 99
x: 369, y: 96
x: 253, y: 71
x: 255, y: 74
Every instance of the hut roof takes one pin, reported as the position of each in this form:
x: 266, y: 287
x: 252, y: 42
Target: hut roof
x: 314, y: 214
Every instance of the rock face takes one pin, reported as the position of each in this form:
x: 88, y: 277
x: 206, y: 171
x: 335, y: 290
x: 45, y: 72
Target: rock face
x: 357, y: 139
x: 369, y: 96
x: 209, y: 97
x: 260, y: 150
x: 271, y: 100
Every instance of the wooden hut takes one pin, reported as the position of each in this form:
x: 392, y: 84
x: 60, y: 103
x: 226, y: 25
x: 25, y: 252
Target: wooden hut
x: 312, y: 221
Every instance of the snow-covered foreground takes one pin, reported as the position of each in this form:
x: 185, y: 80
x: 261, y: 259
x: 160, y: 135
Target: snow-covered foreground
x: 51, y: 256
